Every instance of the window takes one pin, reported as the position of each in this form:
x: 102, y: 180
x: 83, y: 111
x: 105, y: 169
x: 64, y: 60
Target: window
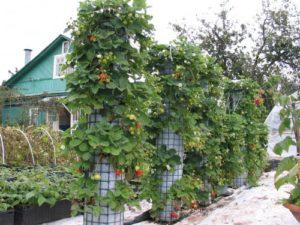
x: 52, y: 116
x: 52, y: 119
x: 33, y: 116
x: 65, y: 47
x: 59, y: 61
x: 75, y: 118
x: 58, y: 72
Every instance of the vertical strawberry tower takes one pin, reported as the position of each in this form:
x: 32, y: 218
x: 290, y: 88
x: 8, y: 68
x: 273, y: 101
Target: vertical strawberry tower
x: 110, y: 42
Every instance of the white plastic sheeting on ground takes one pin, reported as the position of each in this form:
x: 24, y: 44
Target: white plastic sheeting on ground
x: 254, y: 206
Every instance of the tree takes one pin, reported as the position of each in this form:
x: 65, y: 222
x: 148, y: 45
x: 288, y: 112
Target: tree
x: 270, y: 48
x: 277, y: 45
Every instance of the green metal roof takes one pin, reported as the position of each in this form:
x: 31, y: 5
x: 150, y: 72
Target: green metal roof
x: 35, y: 60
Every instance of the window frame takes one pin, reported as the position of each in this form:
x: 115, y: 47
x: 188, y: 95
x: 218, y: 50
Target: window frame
x: 31, y: 110
x: 63, y: 47
x: 54, y: 75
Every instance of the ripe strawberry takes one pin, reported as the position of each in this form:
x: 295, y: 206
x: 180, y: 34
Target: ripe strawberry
x: 103, y: 77
x: 258, y: 101
x: 174, y: 215
x: 194, y: 204
x: 118, y: 172
x: 92, y: 38
x: 139, y: 172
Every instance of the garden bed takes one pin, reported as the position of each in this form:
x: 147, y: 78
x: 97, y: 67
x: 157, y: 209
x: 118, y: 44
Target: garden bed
x: 38, y: 194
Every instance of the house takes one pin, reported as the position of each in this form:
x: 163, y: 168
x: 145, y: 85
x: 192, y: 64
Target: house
x: 41, y: 78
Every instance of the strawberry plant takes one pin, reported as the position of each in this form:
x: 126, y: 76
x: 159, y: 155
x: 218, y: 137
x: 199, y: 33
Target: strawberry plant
x: 249, y: 104
x: 34, y: 186
x: 184, y: 78
x: 110, y: 50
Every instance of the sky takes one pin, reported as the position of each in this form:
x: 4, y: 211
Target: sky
x: 35, y: 23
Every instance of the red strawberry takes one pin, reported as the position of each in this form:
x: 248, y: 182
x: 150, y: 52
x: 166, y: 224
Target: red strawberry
x: 139, y: 172
x: 118, y: 172
x: 258, y: 101
x: 103, y: 77
x: 194, y: 204
x: 138, y: 126
x: 174, y: 215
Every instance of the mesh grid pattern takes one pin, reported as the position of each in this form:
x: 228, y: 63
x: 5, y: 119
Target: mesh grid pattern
x: 206, y: 192
x: 172, y: 141
x: 240, y: 180
x: 94, y: 117
x: 106, y: 183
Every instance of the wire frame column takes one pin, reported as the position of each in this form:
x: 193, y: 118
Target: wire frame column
x: 242, y: 179
x: 107, y: 183
x: 172, y: 141
x: 235, y: 98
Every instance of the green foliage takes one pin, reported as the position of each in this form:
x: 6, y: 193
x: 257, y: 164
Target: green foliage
x: 288, y: 171
x: 110, y: 50
x: 17, y: 151
x: 187, y: 82
x: 288, y: 165
x: 34, y: 186
x: 247, y: 101
x: 185, y: 78
x: 284, y: 145
x: 183, y: 91
x: 186, y: 189
x: 273, y: 48
x: 123, y: 195
x: 295, y: 196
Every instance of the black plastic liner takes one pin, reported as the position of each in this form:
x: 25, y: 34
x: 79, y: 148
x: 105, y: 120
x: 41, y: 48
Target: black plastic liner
x: 34, y: 215
x: 7, y: 218
x: 60, y: 210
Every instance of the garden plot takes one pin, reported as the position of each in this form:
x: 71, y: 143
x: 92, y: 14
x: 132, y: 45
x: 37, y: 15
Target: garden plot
x: 257, y: 206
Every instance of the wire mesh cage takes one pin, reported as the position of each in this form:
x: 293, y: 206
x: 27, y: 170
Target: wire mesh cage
x: 205, y: 191
x: 172, y: 141
x: 240, y: 181
x: 205, y: 194
x: 107, y: 183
